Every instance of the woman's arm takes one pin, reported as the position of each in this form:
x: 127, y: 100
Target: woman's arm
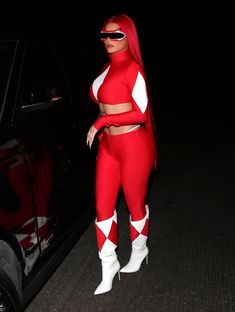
x: 120, y: 119
x: 139, y: 100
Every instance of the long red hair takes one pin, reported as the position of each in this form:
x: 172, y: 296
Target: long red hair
x: 127, y: 25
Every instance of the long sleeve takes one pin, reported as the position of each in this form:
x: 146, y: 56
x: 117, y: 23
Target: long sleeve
x: 127, y: 118
x: 139, y: 100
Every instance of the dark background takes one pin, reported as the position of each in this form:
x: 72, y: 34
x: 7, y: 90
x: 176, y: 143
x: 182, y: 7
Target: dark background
x: 183, y: 48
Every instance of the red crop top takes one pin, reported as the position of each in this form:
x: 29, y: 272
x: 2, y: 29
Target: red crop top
x: 121, y: 81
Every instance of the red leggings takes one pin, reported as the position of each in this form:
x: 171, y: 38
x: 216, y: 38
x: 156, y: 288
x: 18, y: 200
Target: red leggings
x: 123, y: 160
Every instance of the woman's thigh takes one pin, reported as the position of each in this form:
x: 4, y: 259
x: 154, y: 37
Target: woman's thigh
x: 107, y: 184
x: 136, y: 166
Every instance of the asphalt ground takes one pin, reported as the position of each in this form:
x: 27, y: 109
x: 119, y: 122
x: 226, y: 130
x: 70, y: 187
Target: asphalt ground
x: 191, y: 241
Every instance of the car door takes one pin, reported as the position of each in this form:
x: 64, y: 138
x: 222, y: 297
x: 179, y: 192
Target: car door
x: 46, y: 169
x: 17, y: 211
x: 60, y: 166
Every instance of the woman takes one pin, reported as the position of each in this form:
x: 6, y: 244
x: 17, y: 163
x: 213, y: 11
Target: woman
x: 127, y: 150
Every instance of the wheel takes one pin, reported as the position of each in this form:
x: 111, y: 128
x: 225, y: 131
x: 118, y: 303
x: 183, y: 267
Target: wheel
x: 9, y: 298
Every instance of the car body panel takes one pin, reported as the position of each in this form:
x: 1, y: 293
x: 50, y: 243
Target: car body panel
x: 46, y: 169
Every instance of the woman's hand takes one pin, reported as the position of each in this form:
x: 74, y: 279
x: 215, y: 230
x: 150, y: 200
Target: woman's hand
x: 91, y: 135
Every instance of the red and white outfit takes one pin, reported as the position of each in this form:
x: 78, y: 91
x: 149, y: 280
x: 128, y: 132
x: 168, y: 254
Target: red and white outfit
x: 124, y: 160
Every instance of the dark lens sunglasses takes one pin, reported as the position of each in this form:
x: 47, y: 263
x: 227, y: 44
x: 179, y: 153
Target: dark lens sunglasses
x: 112, y: 35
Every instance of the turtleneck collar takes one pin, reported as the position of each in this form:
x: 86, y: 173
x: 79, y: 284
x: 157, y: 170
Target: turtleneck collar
x: 119, y: 56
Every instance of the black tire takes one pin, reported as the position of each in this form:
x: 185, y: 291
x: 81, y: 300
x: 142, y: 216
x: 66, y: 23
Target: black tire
x: 9, y: 298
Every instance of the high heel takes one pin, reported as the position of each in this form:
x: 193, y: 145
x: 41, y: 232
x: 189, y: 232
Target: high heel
x: 119, y: 275
x: 139, y: 236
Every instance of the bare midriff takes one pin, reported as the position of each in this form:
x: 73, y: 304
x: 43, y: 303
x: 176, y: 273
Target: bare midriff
x: 117, y: 109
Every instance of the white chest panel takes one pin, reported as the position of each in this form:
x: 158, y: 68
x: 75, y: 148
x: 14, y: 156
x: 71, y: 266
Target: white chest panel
x: 98, y: 82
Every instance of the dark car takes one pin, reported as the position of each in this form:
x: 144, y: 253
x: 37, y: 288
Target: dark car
x: 46, y: 169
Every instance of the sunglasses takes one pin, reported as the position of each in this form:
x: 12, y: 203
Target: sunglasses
x: 116, y: 35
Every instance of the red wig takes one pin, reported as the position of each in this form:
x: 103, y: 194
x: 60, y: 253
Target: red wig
x: 128, y: 27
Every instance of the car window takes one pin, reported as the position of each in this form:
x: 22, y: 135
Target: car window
x: 7, y: 50
x: 42, y: 80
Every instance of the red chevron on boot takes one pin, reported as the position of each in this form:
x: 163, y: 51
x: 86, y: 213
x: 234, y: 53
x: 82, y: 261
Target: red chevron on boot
x: 140, y: 228
x: 106, y: 232
x: 139, y: 235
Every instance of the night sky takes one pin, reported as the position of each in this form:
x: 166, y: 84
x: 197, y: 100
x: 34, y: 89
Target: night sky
x: 178, y: 42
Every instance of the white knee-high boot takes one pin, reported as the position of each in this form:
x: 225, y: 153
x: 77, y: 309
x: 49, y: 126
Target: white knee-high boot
x: 106, y: 232
x: 139, y: 235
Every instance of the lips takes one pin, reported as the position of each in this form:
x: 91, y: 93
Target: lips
x: 108, y: 46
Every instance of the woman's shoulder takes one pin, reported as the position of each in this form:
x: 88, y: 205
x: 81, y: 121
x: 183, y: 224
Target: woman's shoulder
x: 132, y: 63
x: 133, y: 68
x: 105, y: 66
